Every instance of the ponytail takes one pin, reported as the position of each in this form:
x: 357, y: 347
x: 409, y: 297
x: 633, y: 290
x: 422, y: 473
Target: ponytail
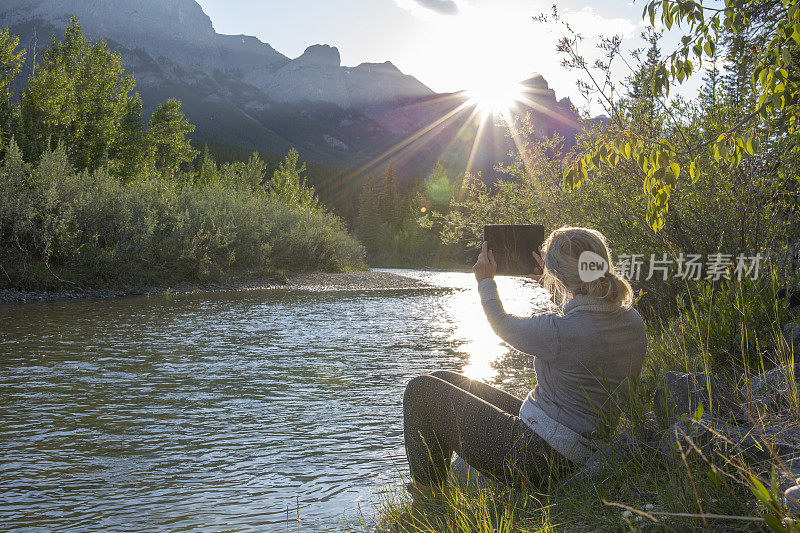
x: 561, y: 277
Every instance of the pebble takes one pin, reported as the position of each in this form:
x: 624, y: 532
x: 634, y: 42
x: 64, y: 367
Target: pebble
x: 364, y: 280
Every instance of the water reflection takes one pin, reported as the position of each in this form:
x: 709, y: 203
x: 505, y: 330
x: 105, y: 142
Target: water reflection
x: 227, y: 411
x: 488, y: 358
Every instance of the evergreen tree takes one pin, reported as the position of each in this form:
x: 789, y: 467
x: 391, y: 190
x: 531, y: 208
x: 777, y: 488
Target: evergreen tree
x: 386, y: 215
x: 437, y: 188
x: 736, y: 81
x: 710, y: 89
x: 639, y: 84
x: 368, y: 218
x: 252, y: 173
x: 389, y: 198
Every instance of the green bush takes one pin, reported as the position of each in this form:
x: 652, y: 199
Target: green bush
x: 62, y: 227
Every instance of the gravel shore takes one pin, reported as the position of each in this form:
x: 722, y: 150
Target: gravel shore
x: 354, y: 281
x: 345, y: 281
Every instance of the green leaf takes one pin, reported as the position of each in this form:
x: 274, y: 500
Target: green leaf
x: 656, y: 216
x: 773, y: 480
x: 759, y: 490
x: 693, y: 171
x: 569, y: 178
x: 658, y: 174
x: 774, y: 523
x: 762, y: 76
x: 698, y: 413
x: 676, y: 172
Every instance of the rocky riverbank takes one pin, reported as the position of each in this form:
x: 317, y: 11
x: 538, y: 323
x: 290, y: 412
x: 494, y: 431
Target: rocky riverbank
x: 340, y: 281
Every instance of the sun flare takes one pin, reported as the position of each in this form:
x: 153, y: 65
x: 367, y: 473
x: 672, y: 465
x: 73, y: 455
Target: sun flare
x: 495, y: 97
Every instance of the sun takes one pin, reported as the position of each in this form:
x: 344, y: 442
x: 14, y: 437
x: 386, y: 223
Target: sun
x: 493, y: 96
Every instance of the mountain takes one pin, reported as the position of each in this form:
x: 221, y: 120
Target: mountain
x: 168, y: 31
x: 240, y: 91
x: 318, y: 75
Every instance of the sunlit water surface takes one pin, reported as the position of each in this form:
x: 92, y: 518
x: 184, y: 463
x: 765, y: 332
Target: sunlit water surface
x: 264, y: 410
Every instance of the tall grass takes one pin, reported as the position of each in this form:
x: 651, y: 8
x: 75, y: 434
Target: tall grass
x: 60, y: 228
x: 707, y: 483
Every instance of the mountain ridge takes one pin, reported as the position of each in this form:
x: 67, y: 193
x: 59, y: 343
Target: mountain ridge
x: 240, y: 91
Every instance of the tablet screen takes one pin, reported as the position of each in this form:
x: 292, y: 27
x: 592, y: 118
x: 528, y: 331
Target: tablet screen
x: 512, y: 246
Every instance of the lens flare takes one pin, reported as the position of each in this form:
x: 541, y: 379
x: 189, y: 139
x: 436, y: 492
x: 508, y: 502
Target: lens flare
x: 493, y: 96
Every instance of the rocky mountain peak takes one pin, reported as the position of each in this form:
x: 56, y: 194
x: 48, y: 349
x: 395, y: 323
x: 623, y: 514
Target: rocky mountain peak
x: 566, y: 103
x: 536, y: 81
x: 385, y: 67
x: 181, y: 19
x: 321, y: 54
x: 177, y: 30
x: 537, y: 87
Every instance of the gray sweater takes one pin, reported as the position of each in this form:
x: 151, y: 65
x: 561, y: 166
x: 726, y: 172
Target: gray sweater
x: 582, y: 358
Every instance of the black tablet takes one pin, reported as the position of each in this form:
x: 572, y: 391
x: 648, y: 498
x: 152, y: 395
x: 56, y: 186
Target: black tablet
x: 513, y: 245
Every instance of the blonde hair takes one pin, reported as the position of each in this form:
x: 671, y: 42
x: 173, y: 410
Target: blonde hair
x: 561, y: 251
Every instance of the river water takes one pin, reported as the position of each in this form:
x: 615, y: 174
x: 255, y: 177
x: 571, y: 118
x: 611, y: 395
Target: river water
x: 268, y: 410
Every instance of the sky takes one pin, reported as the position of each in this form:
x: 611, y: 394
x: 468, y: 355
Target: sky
x: 449, y: 45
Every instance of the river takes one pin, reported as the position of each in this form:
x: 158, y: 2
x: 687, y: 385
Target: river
x: 268, y: 410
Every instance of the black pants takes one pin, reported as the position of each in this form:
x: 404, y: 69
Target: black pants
x: 794, y: 297
x: 446, y: 412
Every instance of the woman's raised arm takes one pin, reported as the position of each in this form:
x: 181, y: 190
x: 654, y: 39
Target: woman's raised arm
x: 536, y: 335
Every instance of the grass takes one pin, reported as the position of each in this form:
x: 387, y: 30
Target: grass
x: 733, y: 329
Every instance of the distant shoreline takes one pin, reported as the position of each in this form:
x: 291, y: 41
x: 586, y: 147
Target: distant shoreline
x: 362, y: 280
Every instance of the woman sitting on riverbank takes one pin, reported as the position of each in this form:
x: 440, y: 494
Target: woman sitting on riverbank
x: 583, y: 356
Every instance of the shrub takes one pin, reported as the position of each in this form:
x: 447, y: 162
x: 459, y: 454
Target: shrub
x: 62, y: 227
